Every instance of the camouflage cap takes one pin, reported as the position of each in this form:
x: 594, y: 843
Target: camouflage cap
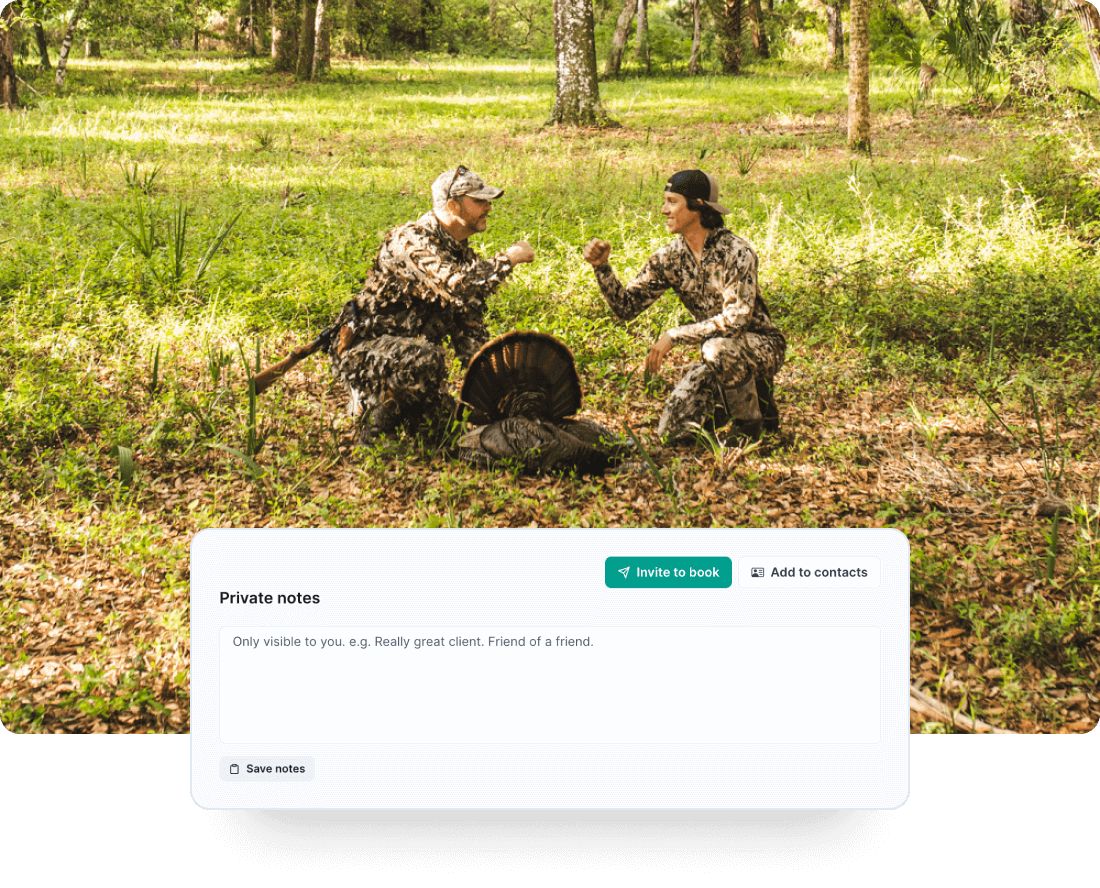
x: 461, y: 182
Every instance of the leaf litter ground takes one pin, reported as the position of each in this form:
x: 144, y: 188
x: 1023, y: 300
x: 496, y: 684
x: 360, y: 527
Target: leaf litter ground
x: 96, y: 608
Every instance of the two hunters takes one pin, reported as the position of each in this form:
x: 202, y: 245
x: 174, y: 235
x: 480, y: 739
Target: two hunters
x: 428, y: 285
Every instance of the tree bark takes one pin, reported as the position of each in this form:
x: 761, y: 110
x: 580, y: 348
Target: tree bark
x: 43, y: 47
x: 322, y: 57
x: 696, y: 36
x: 9, y: 86
x: 834, y: 26
x: 1026, y: 15
x: 729, y: 28
x: 307, y: 38
x: 284, y: 35
x: 641, y: 48
x: 67, y: 42
x: 931, y: 7
x: 618, y: 39
x: 859, y: 78
x: 578, y: 89
x: 91, y: 49
x: 759, y: 37
x: 351, y: 28
x: 1089, y: 20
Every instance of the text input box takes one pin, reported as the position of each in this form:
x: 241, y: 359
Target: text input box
x: 549, y: 685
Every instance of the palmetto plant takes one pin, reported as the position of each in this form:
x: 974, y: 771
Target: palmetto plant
x: 969, y: 32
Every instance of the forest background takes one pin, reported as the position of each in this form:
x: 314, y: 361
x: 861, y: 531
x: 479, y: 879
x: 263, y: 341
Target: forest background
x: 180, y: 205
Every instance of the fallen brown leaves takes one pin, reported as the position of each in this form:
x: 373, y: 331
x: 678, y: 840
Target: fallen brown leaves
x: 96, y: 615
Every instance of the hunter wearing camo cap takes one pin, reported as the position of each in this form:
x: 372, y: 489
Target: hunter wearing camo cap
x: 714, y: 274
x: 427, y: 285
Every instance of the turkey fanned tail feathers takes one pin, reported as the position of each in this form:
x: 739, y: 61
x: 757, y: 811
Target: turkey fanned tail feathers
x: 522, y: 374
x: 521, y: 387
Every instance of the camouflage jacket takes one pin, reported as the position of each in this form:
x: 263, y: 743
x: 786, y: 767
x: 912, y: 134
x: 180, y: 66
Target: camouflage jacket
x: 721, y: 292
x: 425, y: 283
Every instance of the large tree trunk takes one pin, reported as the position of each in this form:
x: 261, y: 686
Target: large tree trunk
x: 322, y: 57
x: 834, y: 26
x: 1089, y: 20
x: 284, y: 35
x: 859, y: 78
x: 9, y: 89
x: 641, y: 48
x: 759, y: 37
x: 578, y: 93
x: 729, y: 28
x: 307, y: 38
x: 696, y: 35
x: 618, y: 39
x: 43, y: 47
x: 67, y: 42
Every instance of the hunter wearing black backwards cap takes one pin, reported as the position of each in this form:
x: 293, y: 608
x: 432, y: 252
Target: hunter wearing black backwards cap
x: 714, y: 274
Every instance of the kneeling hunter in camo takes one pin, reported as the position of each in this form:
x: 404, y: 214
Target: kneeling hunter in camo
x: 427, y: 284
x: 713, y: 272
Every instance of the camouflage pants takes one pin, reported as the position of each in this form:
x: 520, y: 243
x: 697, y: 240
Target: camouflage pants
x: 723, y: 386
x: 394, y: 381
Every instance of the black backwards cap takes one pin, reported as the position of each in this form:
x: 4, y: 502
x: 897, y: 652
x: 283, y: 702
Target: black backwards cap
x: 697, y: 185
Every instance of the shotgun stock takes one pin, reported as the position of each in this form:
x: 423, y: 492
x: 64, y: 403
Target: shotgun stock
x: 275, y: 372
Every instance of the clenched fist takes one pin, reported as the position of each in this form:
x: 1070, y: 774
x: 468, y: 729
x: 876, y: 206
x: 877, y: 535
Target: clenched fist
x: 520, y: 252
x: 596, y: 252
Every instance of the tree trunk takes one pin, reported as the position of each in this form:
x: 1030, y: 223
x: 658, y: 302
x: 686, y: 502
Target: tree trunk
x: 859, y: 78
x: 1026, y: 15
x: 306, y: 40
x: 641, y: 48
x: 284, y: 35
x: 1089, y: 20
x: 9, y: 89
x: 252, y: 27
x: 696, y: 35
x: 43, y: 47
x: 618, y: 39
x: 578, y: 90
x: 91, y: 49
x: 729, y: 28
x: 834, y: 26
x: 322, y: 57
x: 931, y: 7
x: 759, y: 37
x: 351, y: 28
x: 67, y: 43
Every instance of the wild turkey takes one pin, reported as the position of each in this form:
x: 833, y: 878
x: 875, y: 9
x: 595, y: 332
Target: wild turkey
x: 521, y: 387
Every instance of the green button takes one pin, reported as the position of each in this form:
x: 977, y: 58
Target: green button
x: 705, y: 572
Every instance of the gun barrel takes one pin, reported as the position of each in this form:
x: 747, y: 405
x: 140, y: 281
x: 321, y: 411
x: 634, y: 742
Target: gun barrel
x: 275, y: 372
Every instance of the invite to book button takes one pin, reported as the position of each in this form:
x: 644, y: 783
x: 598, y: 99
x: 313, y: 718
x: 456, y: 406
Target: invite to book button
x: 649, y: 572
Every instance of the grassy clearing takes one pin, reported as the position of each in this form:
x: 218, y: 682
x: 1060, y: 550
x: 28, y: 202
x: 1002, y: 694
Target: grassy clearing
x: 166, y: 224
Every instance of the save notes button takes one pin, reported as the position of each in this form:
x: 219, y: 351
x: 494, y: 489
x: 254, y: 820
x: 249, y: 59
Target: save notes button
x: 250, y: 768
x: 649, y: 572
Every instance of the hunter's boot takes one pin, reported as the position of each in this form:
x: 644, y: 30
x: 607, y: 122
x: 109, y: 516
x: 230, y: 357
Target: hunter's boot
x: 769, y: 410
x: 744, y: 407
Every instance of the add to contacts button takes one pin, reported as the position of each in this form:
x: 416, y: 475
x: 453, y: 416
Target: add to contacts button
x: 702, y: 572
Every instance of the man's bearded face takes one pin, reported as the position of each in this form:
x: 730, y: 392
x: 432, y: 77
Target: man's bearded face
x: 473, y: 212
